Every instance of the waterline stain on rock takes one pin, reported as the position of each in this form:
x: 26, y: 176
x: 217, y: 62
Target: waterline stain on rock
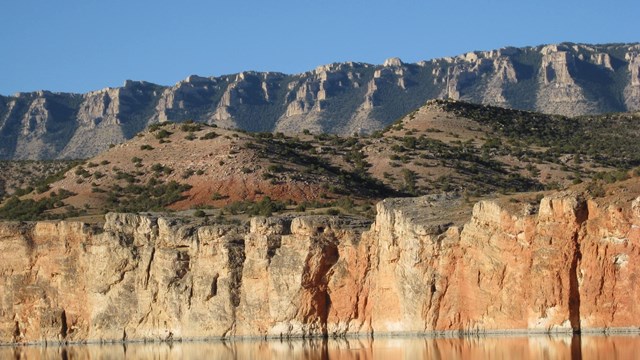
x: 427, y: 264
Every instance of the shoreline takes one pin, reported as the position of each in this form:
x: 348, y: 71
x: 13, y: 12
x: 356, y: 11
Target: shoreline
x: 448, y: 334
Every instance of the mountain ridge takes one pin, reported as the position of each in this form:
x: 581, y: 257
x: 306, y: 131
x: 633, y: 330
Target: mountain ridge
x: 342, y: 98
x: 18, y: 93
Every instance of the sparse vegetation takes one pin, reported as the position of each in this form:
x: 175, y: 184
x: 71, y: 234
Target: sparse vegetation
x: 264, y: 207
x: 209, y: 135
x: 163, y: 134
x: 510, y: 152
x: 217, y: 196
x: 159, y: 168
x: 187, y: 173
x: 23, y: 210
x: 153, y: 196
x: 190, y: 126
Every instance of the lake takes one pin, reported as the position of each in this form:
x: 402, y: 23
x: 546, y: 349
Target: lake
x: 482, y: 347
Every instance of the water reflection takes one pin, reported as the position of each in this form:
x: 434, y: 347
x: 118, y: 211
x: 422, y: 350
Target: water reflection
x: 532, y: 347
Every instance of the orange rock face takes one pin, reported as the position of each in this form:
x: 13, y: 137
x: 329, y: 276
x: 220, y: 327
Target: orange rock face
x: 424, y: 265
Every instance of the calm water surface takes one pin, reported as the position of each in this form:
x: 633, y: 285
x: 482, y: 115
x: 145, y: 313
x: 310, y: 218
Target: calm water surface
x: 531, y: 347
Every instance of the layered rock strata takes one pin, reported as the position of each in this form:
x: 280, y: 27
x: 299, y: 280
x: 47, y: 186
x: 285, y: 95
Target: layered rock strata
x: 568, y: 79
x: 424, y: 265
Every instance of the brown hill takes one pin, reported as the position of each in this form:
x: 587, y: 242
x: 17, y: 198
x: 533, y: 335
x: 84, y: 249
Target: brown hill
x: 443, y: 146
x: 182, y: 166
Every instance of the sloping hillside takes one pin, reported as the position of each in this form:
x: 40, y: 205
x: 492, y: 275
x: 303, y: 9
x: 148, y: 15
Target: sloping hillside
x: 443, y: 146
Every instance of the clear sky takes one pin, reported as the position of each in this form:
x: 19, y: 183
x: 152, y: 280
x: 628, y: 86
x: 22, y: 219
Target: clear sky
x: 83, y: 45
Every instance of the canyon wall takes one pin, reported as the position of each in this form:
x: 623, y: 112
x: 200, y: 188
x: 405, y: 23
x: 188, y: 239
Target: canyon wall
x: 569, y: 79
x: 424, y: 265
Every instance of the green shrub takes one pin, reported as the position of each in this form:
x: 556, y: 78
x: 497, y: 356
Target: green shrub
x: 82, y: 172
x: 209, y: 135
x: 187, y: 173
x: 23, y: 191
x: 345, y: 203
x: 596, y: 189
x: 409, y: 178
x: 264, y: 207
x: 217, y: 196
x: 333, y: 212
x: 159, y: 168
x: 154, y: 196
x: 163, y: 134
x: 275, y: 168
x: 191, y: 127
x: 42, y: 188
x: 27, y: 210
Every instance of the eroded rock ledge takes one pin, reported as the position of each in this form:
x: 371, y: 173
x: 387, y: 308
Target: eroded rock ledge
x: 424, y: 265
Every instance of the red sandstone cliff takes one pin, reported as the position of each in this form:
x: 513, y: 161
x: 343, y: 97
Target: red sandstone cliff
x: 426, y: 264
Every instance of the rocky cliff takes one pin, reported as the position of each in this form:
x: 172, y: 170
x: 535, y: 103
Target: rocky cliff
x: 344, y: 98
x: 425, y: 265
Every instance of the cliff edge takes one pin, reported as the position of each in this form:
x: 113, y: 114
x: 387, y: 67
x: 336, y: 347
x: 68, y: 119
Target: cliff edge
x: 565, y: 263
x: 342, y: 98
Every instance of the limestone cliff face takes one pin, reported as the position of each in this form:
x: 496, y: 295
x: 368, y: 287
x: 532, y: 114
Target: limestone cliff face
x: 568, y: 79
x: 632, y: 91
x: 424, y: 265
x: 558, y: 87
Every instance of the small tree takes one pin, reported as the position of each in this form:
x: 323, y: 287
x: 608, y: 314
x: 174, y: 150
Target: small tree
x: 410, y: 178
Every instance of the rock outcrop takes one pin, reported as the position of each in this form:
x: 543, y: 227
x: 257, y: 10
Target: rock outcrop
x: 558, y: 87
x: 632, y: 91
x: 425, y: 265
x: 342, y: 98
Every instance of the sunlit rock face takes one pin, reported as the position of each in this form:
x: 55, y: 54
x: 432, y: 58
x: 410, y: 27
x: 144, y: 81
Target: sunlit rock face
x: 342, y: 98
x: 424, y: 265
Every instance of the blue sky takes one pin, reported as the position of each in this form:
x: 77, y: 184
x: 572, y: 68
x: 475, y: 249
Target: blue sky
x: 83, y: 45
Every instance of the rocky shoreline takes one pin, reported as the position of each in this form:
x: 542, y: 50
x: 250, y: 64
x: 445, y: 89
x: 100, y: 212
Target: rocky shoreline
x: 424, y: 266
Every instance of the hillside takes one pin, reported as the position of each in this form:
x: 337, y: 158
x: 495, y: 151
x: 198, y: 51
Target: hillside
x: 184, y: 166
x: 444, y: 146
x: 478, y: 149
x: 23, y: 177
x: 340, y: 98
